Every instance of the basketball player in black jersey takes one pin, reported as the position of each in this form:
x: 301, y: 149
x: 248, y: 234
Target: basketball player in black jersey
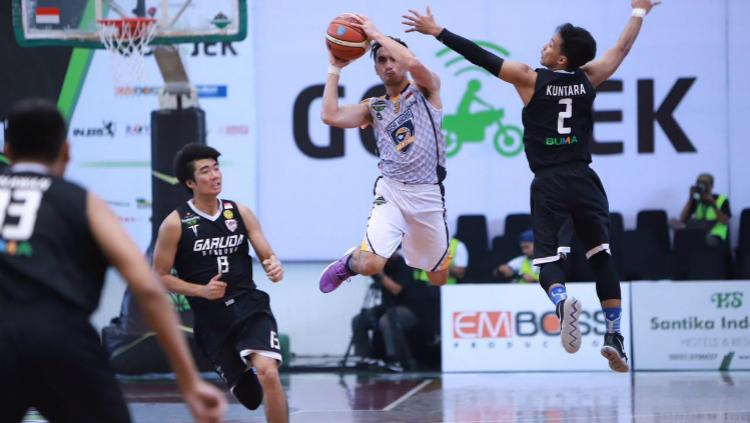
x: 558, y: 128
x: 205, y: 240
x: 56, y: 240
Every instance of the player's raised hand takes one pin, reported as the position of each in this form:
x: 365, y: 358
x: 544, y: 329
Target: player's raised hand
x: 207, y: 404
x: 424, y: 24
x: 273, y: 268
x: 644, y: 4
x: 366, y: 25
x: 215, y: 288
x: 335, y: 61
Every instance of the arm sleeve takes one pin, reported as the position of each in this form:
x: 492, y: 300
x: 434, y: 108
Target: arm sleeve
x: 471, y: 51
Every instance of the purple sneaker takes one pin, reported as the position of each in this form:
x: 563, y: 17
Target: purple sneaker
x: 335, y: 274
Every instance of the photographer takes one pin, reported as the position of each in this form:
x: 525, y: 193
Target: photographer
x: 707, y: 211
x: 402, y: 300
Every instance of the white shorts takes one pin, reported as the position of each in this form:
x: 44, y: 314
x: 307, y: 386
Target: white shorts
x: 414, y: 216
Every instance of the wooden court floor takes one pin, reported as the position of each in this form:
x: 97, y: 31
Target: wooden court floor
x: 481, y: 397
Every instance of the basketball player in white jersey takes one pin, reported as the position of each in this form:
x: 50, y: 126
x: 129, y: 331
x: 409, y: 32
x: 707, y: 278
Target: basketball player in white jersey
x: 408, y: 208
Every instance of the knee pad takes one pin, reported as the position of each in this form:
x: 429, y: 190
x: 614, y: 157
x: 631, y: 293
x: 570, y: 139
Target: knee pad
x: 550, y: 274
x: 248, y: 390
x: 607, y: 281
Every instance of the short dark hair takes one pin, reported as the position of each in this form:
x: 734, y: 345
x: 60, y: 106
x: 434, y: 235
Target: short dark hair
x: 577, y: 45
x: 183, y: 165
x: 35, y: 129
x: 376, y: 46
x: 706, y: 177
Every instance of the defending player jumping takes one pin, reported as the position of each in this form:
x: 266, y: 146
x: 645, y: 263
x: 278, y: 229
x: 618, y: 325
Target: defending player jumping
x: 558, y: 128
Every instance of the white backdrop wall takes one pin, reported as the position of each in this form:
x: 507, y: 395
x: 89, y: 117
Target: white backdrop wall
x: 739, y: 107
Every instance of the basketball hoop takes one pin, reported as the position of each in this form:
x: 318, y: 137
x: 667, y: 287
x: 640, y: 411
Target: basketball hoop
x: 126, y: 40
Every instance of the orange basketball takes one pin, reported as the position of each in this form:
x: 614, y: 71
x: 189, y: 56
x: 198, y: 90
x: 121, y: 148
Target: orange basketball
x: 344, y: 40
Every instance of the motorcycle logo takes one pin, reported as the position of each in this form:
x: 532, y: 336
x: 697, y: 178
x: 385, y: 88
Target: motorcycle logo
x: 475, y: 119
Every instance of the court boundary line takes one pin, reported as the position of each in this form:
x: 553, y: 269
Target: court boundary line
x: 407, y: 395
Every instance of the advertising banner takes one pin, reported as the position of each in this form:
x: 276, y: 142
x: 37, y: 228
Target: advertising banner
x: 110, y: 129
x: 691, y: 326
x: 503, y: 327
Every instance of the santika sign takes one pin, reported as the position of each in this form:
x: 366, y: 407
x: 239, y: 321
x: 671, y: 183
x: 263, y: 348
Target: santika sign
x: 691, y: 326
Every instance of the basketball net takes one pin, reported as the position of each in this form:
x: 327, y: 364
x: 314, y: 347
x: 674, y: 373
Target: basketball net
x: 126, y: 40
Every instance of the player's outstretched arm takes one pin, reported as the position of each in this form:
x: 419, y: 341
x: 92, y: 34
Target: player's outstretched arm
x: 205, y: 401
x: 165, y: 252
x: 350, y: 116
x: 601, y: 69
x: 518, y: 74
x: 271, y: 264
x: 426, y: 80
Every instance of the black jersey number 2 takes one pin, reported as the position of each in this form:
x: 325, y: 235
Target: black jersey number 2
x: 565, y: 114
x: 18, y: 211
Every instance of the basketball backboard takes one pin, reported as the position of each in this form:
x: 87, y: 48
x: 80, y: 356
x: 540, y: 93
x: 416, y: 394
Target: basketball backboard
x: 74, y: 22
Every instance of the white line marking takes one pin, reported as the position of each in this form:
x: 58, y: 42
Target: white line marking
x: 406, y: 396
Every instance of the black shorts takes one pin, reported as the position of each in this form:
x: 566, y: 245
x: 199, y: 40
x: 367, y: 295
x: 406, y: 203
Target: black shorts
x: 229, y: 334
x: 566, y: 199
x: 51, y: 359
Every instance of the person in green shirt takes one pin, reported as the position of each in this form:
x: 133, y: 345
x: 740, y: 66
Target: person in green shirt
x: 707, y: 211
x: 520, y: 269
x: 459, y: 260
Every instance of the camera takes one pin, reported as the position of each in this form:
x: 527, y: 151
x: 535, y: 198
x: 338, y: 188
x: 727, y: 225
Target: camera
x: 699, y: 189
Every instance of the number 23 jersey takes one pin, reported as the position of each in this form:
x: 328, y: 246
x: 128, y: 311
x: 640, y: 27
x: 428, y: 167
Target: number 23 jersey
x: 47, y: 250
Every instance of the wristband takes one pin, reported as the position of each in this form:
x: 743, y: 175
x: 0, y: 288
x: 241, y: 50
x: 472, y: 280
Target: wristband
x: 639, y: 12
x: 334, y: 70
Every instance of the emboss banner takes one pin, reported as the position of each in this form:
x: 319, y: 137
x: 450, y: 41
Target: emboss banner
x: 514, y: 328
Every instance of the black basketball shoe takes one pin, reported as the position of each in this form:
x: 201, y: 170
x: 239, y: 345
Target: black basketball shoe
x: 614, y: 351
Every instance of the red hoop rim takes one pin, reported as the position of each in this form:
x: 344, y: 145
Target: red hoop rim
x: 131, y: 25
x: 124, y: 20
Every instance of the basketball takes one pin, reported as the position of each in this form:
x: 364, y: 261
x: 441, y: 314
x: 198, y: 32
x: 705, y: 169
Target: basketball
x: 344, y: 40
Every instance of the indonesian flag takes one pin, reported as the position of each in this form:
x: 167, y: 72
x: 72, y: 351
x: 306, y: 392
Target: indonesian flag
x: 47, y: 15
